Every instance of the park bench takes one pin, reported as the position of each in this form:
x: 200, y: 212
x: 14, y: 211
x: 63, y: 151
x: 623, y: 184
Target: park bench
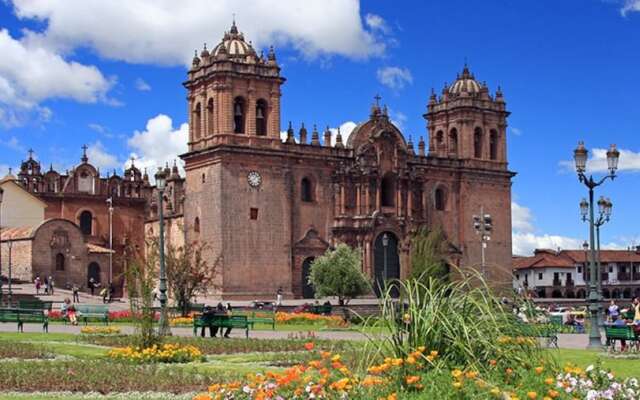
x: 221, y: 321
x: 35, y: 305
x: 261, y: 317
x: 619, y: 333
x: 547, y: 331
x: 85, y: 312
x: 321, y: 309
x: 24, y: 316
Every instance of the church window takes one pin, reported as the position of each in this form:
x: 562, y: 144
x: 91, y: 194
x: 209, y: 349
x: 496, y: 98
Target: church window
x: 261, y: 117
x: 440, y: 199
x: 197, y: 122
x: 388, y: 190
x: 493, y: 145
x: 477, y: 143
x: 238, y: 115
x: 196, y: 225
x: 306, y: 190
x: 60, y: 262
x: 86, y: 222
x: 453, y: 139
x: 210, y: 120
x: 439, y: 140
x: 253, y: 213
x: 204, y: 178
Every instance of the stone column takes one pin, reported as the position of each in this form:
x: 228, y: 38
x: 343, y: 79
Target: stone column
x: 273, y: 121
x: 343, y: 199
x: 358, y: 199
x: 378, y: 194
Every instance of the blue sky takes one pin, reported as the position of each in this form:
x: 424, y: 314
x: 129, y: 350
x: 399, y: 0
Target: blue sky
x: 108, y: 74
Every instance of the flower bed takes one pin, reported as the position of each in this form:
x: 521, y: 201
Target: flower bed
x: 166, y: 353
x: 309, y: 318
x: 23, y: 351
x: 100, y: 330
x: 181, y: 321
x: 422, y: 374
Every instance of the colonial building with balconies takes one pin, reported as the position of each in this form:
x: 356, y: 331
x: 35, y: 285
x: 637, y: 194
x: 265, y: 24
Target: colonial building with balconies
x: 565, y: 273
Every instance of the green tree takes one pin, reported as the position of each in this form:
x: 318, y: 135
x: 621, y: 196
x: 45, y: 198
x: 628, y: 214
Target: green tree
x: 338, y: 273
x: 429, y: 251
x: 188, y: 273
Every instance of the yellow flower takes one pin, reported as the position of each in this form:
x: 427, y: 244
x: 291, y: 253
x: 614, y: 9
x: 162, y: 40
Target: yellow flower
x: 457, y: 384
x: 456, y: 373
x: 532, y: 395
x: 412, y: 379
x: 539, y: 370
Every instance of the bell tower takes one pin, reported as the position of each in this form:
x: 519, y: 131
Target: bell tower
x: 233, y: 95
x: 467, y: 122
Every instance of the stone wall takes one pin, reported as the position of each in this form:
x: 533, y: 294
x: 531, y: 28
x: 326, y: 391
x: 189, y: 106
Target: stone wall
x: 20, y: 260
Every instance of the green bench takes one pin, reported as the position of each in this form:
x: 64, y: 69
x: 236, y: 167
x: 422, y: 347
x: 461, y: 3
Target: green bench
x: 35, y: 305
x: 619, y: 333
x: 86, y: 312
x: 24, y: 316
x: 221, y: 321
x: 261, y: 317
x: 321, y: 309
x: 546, y: 331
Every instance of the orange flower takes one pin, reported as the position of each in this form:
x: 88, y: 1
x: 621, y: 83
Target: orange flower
x: 412, y: 379
x: 493, y: 363
x: 309, y: 346
x: 539, y: 370
x: 202, y: 397
x: 553, y: 393
x: 532, y: 395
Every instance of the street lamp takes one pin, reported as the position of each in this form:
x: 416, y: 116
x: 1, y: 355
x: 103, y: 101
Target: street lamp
x: 10, y: 243
x: 160, y: 185
x: 385, y: 245
x: 110, y: 208
x: 604, y: 211
x: 483, y: 225
x: 580, y: 158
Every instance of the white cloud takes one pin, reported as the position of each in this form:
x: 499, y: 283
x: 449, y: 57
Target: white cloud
x: 377, y: 23
x: 345, y: 131
x: 100, y: 157
x: 166, y: 32
x: 630, y: 6
x: 142, y: 86
x: 629, y: 161
x: 159, y: 143
x: 521, y: 218
x: 516, y: 131
x: 14, y: 144
x: 398, y: 118
x: 394, y: 77
x: 31, y: 73
x: 97, y: 127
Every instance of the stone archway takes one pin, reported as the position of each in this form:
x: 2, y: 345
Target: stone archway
x: 386, y: 260
x: 93, y: 271
x: 308, y: 292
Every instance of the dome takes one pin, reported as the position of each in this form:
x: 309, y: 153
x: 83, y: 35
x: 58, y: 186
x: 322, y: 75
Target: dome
x: 465, y: 83
x: 233, y: 45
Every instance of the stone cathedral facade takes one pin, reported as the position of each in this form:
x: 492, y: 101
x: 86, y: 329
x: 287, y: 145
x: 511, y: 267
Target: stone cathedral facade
x: 267, y: 207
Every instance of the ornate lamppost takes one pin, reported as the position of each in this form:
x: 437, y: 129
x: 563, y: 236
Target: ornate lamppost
x: 110, y: 209
x: 587, y: 208
x: 164, y: 323
x: 10, y: 243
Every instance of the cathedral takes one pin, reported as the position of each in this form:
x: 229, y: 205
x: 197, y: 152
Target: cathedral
x: 267, y: 207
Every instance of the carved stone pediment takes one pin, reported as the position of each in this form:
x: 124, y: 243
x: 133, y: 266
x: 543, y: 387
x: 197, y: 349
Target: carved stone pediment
x: 312, y: 240
x: 59, y: 240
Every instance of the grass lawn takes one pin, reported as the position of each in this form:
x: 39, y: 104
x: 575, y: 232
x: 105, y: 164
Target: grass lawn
x: 624, y: 368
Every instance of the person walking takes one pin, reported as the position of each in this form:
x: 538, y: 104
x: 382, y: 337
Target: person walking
x: 46, y: 285
x: 92, y: 285
x: 104, y: 293
x: 51, y: 285
x: 76, y: 293
x: 279, y: 297
x: 112, y: 290
x: 37, y: 283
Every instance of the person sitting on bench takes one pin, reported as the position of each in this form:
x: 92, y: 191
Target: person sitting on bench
x: 221, y: 310
x: 207, y: 317
x: 69, y: 311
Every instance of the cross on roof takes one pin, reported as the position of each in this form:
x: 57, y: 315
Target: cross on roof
x: 377, y: 97
x: 84, y: 149
x: 30, y: 153
x: 133, y: 159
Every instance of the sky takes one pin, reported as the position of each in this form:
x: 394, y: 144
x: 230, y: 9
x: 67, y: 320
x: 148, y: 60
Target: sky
x: 109, y: 74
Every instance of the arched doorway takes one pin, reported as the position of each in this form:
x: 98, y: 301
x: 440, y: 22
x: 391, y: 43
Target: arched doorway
x: 86, y: 222
x: 307, y: 289
x: 386, y: 260
x: 93, y: 271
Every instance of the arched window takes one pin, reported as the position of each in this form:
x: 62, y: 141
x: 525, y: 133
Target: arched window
x: 477, y: 143
x: 493, y: 145
x: 86, y: 222
x: 440, y: 199
x: 196, y: 225
x: 261, y: 117
x: 306, y: 190
x: 210, y: 119
x: 439, y: 140
x: 59, y: 262
x: 197, y: 121
x: 453, y: 140
x: 238, y: 115
x: 204, y: 178
x: 388, y: 190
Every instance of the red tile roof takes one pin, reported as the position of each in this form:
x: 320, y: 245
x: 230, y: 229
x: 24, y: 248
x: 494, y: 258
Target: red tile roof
x: 24, y: 232
x: 545, y: 258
